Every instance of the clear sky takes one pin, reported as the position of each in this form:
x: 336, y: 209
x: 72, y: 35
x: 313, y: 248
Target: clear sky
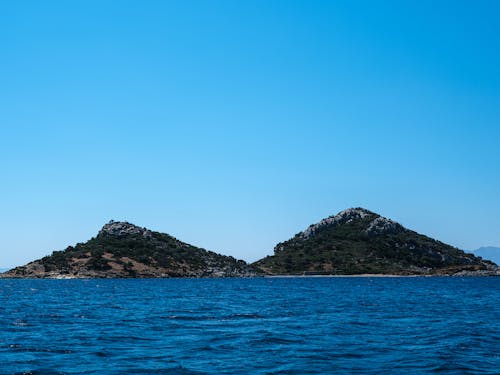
x: 233, y: 125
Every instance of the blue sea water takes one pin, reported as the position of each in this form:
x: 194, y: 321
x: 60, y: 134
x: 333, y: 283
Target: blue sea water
x: 251, y: 326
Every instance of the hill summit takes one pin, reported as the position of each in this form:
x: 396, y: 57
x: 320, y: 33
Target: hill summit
x: 358, y: 241
x: 124, y: 250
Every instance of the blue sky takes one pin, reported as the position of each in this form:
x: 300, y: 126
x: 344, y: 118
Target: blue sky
x: 234, y: 125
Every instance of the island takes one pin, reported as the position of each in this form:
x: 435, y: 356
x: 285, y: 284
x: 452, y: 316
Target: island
x: 355, y: 241
x: 125, y: 250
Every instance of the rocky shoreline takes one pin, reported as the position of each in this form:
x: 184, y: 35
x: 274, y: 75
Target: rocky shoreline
x: 58, y: 276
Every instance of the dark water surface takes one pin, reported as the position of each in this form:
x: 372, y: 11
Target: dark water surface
x: 251, y: 326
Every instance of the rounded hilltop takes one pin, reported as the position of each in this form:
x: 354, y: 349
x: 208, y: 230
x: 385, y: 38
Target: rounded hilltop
x: 377, y: 226
x: 123, y: 228
x: 359, y: 241
x: 125, y: 250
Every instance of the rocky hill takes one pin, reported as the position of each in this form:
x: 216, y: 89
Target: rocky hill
x: 125, y: 250
x: 358, y: 241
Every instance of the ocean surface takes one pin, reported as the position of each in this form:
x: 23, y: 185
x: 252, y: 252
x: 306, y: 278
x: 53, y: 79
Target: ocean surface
x: 251, y: 326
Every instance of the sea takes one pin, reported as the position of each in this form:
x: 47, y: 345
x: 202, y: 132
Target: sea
x: 306, y: 325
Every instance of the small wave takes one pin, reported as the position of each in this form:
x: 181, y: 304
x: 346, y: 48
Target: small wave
x: 212, y: 317
x: 188, y: 317
x: 20, y: 323
x: 20, y: 348
x: 279, y: 340
x: 243, y: 316
x: 177, y: 370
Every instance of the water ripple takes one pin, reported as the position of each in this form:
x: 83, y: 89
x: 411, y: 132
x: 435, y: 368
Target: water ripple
x: 257, y: 326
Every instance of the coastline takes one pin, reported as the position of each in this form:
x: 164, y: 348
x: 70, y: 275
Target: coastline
x: 366, y: 275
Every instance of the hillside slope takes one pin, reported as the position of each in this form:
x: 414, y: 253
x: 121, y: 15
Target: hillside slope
x: 125, y: 250
x: 358, y: 241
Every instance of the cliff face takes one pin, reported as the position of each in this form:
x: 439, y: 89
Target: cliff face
x: 358, y: 241
x: 125, y: 250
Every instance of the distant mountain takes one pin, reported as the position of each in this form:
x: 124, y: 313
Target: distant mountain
x: 489, y: 253
x: 125, y: 250
x: 358, y: 241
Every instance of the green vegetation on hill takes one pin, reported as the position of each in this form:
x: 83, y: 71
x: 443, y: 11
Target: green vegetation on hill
x: 125, y: 250
x: 358, y: 241
x: 157, y: 250
x: 355, y: 241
